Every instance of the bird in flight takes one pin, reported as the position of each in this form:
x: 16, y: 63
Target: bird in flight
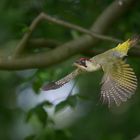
x: 119, y: 82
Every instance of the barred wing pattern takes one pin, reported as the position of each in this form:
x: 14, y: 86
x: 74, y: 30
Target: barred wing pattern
x: 118, y: 84
x: 61, y: 82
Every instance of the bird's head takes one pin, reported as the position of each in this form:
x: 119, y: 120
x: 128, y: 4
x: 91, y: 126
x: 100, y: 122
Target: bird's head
x: 86, y: 64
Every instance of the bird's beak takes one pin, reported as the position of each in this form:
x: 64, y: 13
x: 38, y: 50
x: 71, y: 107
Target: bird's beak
x: 76, y: 64
x: 79, y: 65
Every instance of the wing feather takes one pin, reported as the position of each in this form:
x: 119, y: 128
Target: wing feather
x: 118, y: 84
x: 61, y: 82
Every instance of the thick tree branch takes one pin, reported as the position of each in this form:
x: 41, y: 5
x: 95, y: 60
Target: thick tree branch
x: 43, y: 43
x: 44, y: 59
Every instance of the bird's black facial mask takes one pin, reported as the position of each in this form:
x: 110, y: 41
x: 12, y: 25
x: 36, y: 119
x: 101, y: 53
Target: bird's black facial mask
x: 82, y: 62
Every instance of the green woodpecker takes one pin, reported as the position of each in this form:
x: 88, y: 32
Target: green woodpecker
x: 119, y: 81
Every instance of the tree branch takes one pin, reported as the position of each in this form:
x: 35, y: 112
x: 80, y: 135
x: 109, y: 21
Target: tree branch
x: 80, y: 29
x: 44, y: 59
x: 22, y: 44
x: 43, y: 43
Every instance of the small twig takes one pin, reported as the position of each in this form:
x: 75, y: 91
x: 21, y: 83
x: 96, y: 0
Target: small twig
x: 22, y: 44
x: 80, y: 29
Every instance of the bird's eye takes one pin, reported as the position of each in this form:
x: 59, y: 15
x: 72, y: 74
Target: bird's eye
x: 83, y: 63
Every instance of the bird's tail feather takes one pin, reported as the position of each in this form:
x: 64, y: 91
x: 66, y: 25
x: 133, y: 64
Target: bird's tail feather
x: 134, y: 40
x: 125, y: 46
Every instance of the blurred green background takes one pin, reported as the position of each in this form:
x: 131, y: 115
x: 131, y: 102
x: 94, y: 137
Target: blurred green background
x: 23, y: 112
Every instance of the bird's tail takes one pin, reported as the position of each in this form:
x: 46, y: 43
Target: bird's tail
x: 134, y: 40
x: 125, y: 46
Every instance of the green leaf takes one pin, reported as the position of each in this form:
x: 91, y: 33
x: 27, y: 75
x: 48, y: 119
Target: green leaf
x: 61, y: 105
x: 37, y: 85
x: 31, y: 137
x: 29, y: 115
x: 43, y: 75
x: 82, y: 97
x: 41, y: 114
x: 25, y: 29
x: 46, y: 103
x: 72, y: 100
x: 63, y: 134
x: 75, y: 34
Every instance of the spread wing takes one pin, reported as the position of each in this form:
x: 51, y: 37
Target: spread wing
x: 61, y: 82
x: 118, y: 84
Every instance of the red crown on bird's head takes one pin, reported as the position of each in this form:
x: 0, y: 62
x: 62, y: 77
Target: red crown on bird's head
x: 84, y: 59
